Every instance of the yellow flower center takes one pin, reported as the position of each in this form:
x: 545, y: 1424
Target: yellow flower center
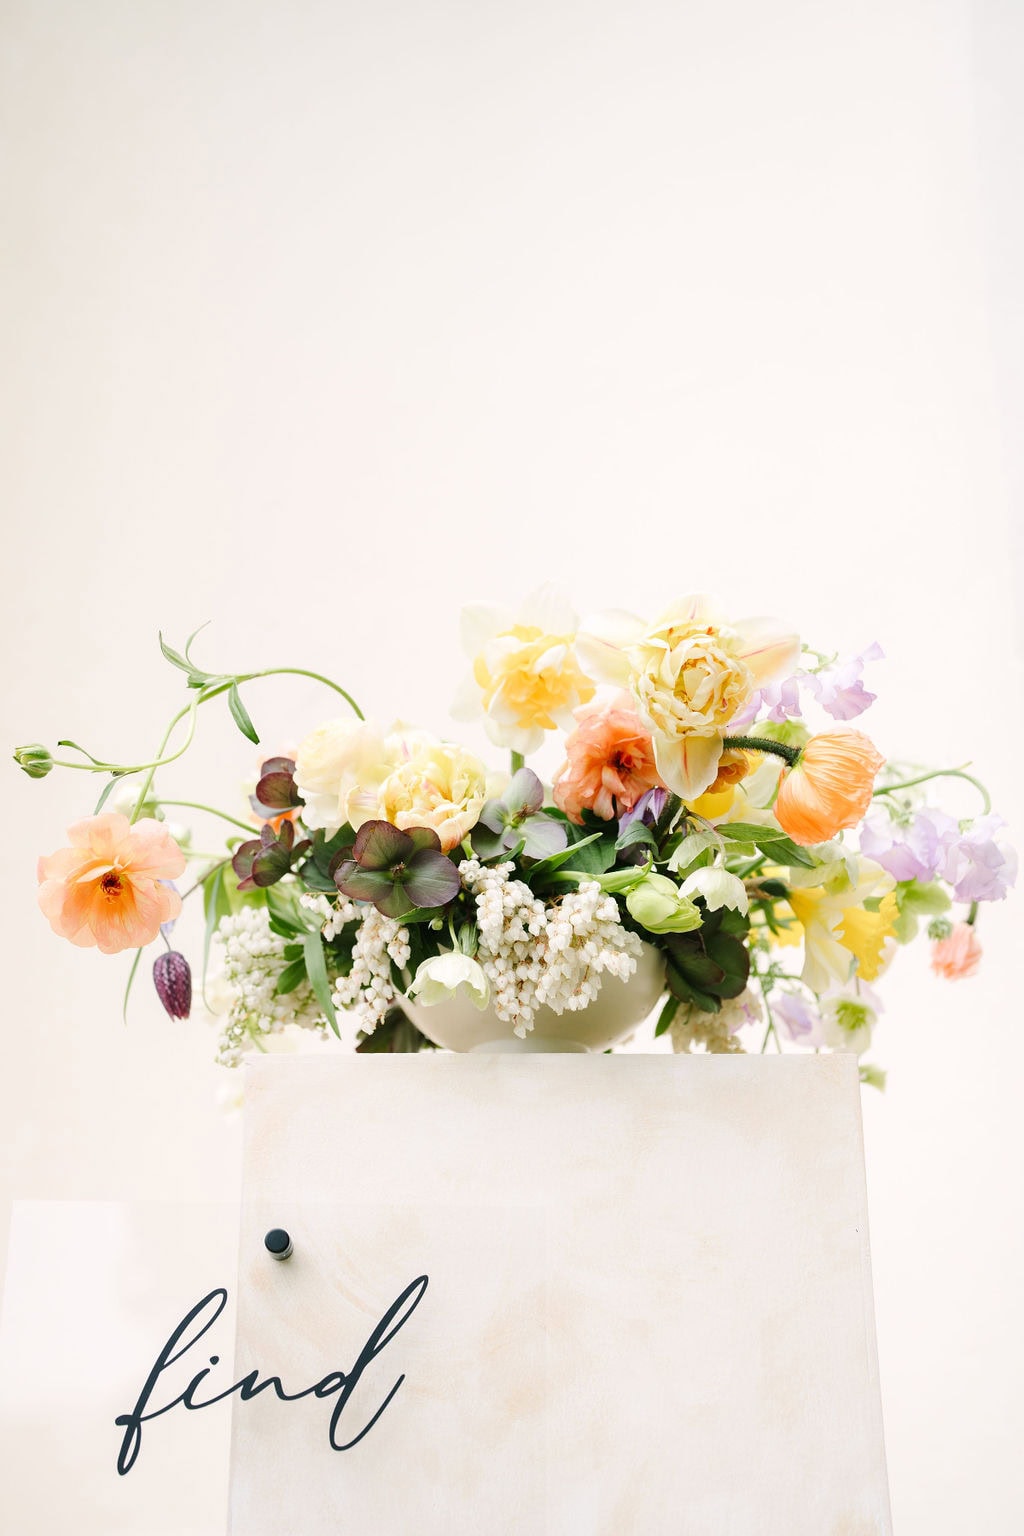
x: 525, y: 687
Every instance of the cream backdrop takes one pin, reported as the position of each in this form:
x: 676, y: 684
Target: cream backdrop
x: 321, y: 318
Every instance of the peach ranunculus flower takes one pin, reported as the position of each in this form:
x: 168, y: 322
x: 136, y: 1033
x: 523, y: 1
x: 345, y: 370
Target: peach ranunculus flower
x: 108, y: 888
x: 339, y: 768
x: 690, y: 674
x: 958, y: 954
x: 526, y: 678
x: 609, y: 761
x: 435, y: 785
x: 829, y: 786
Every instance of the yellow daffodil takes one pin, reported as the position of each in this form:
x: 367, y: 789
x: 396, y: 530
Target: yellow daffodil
x: 525, y: 676
x: 836, y: 926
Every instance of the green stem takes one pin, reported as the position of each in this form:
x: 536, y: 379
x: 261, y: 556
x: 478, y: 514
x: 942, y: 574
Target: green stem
x: 518, y: 761
x: 972, y: 913
x: 317, y: 677
x: 211, y: 693
x: 211, y: 810
x: 763, y: 744
x: 939, y: 773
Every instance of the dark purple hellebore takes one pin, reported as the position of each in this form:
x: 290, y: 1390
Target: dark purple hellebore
x: 399, y: 872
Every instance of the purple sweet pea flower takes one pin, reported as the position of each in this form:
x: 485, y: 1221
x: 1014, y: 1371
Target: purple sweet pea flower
x: 913, y: 852
x: 647, y: 809
x: 982, y: 864
x: 796, y: 1018
x: 839, y: 689
x: 168, y: 928
x: 783, y: 699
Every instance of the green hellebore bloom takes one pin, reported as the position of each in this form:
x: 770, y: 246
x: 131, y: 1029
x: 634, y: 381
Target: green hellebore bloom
x: 658, y: 905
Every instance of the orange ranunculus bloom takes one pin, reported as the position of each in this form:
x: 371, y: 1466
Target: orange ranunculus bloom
x: 829, y: 787
x: 106, y: 889
x: 958, y: 954
x: 610, y: 762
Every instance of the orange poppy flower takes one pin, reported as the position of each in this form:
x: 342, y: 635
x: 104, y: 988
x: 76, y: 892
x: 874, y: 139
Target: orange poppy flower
x: 829, y: 787
x: 108, y: 889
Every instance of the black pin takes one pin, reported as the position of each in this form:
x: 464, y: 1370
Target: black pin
x: 278, y: 1243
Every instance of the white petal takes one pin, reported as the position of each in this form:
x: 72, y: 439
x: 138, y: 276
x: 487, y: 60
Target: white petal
x: 688, y: 764
x: 480, y: 622
x: 549, y: 610
x: 466, y: 704
x: 767, y: 649
x: 695, y: 608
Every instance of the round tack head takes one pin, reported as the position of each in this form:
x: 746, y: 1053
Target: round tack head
x: 278, y: 1243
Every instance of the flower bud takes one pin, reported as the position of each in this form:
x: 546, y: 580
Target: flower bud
x: 172, y: 978
x: 35, y: 759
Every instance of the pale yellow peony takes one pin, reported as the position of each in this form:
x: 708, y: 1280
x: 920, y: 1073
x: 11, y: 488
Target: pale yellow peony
x: 434, y: 785
x: 690, y: 674
x: 339, y: 769
x: 525, y: 676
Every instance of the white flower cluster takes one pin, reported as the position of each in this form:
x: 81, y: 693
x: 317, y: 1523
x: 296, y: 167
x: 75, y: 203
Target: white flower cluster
x: 335, y: 915
x: 253, y: 961
x: 368, y: 991
x: 536, y: 955
x: 717, y: 1033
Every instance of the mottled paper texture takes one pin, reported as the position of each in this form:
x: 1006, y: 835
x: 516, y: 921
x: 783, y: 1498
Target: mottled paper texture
x: 647, y: 1309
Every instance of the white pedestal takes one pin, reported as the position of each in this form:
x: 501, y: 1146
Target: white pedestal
x: 646, y: 1306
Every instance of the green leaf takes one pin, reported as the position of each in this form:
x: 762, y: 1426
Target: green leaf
x: 687, y: 993
x: 240, y: 714
x: 666, y: 1015
x: 293, y: 973
x: 174, y: 657
x: 107, y: 788
x: 691, y: 848
x: 751, y: 832
x: 128, y: 985
x: 733, y: 958
x: 636, y: 832
x: 188, y: 642
x: 316, y: 970
x: 556, y: 860
x: 216, y: 904
x: 292, y: 920
x: 783, y: 850
x: 598, y: 854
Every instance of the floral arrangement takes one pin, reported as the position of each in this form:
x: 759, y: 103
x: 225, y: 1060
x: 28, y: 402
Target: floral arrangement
x: 775, y: 868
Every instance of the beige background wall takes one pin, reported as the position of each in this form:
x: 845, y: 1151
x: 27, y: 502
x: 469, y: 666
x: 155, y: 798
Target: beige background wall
x: 321, y: 318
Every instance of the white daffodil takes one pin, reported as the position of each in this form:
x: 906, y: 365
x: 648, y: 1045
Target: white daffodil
x: 443, y: 975
x: 525, y: 677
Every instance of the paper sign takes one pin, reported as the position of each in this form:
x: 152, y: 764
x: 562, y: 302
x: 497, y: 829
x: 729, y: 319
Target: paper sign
x: 556, y: 1296
x: 94, y: 1291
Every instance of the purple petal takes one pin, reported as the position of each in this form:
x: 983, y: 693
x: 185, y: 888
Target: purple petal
x: 379, y: 845
x: 172, y: 979
x: 431, y: 879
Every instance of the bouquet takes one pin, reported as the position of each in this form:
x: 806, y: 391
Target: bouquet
x: 774, y: 862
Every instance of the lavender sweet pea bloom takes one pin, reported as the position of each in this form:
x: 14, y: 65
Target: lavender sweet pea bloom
x: 783, y: 699
x: 647, y: 809
x: 982, y: 864
x: 797, y: 1019
x: 909, y: 852
x: 839, y: 689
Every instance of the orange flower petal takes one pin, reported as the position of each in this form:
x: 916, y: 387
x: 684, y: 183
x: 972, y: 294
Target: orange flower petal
x: 829, y: 788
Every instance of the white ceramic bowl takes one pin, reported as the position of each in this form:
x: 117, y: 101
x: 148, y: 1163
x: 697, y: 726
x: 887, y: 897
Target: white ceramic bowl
x: 458, y: 1025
